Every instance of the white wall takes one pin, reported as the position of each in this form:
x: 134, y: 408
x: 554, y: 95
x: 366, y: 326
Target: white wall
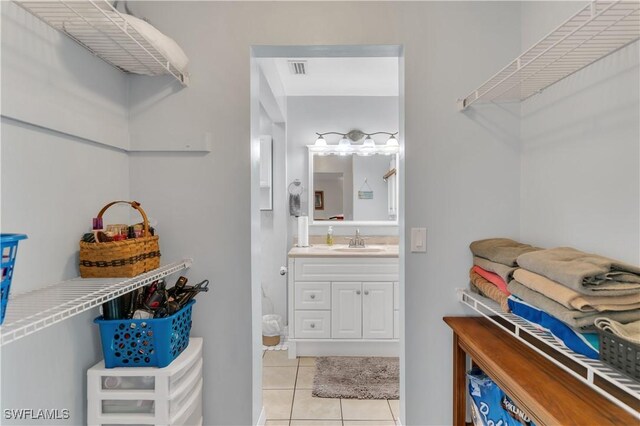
x: 46, y: 70
x: 332, y: 187
x: 335, y: 164
x: 455, y: 164
x: 462, y: 171
x: 372, y: 169
x: 53, y: 183
x: 581, y: 150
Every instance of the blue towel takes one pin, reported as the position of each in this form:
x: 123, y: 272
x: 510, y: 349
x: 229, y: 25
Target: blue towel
x: 583, y: 343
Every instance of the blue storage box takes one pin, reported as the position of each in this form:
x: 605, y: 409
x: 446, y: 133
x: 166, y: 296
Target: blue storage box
x: 9, y: 245
x: 153, y: 342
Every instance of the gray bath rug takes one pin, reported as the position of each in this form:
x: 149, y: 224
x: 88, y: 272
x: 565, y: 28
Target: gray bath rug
x: 356, y: 377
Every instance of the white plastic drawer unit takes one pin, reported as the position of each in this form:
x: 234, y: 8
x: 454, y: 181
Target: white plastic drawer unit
x: 313, y: 324
x: 346, y: 269
x: 313, y: 295
x: 148, y: 395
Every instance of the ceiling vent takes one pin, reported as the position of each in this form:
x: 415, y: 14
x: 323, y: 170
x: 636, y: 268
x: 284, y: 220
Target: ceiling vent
x: 298, y: 67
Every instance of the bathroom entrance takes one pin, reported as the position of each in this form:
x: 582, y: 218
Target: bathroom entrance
x: 327, y: 214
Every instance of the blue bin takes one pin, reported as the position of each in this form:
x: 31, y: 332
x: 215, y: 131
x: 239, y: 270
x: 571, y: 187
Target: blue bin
x: 153, y: 342
x: 9, y: 245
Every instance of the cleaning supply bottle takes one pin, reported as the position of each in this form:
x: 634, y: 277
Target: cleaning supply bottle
x: 330, y: 236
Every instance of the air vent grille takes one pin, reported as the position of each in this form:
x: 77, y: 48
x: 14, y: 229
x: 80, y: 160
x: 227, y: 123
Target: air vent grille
x: 298, y: 67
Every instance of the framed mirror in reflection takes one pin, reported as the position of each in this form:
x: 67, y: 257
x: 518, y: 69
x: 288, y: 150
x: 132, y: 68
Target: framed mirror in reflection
x: 353, y: 189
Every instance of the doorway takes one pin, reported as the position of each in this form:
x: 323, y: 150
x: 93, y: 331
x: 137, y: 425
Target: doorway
x: 327, y: 147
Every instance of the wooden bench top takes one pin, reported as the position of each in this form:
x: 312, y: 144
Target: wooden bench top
x: 550, y: 395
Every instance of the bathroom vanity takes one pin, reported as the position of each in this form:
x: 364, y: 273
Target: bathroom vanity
x: 344, y: 301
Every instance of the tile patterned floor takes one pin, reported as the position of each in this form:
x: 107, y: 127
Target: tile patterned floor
x: 286, y: 393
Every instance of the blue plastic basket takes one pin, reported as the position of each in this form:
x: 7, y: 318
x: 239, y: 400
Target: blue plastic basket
x: 9, y: 245
x: 153, y: 342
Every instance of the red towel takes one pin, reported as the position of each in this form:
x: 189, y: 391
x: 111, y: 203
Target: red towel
x: 492, y: 278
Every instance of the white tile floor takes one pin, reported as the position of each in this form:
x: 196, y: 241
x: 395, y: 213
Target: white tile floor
x: 286, y: 393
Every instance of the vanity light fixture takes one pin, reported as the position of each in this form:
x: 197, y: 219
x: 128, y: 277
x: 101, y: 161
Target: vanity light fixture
x: 345, y: 147
x: 392, y: 141
x: 320, y: 141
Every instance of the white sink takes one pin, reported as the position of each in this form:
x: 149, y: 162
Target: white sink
x: 371, y: 249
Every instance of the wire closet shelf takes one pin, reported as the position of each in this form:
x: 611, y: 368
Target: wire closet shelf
x: 617, y: 387
x: 101, y: 29
x: 597, y: 30
x: 33, y: 311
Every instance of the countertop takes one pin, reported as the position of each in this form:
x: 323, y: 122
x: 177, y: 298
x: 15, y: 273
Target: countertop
x: 343, y: 250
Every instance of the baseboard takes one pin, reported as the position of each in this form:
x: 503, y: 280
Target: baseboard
x: 262, y: 420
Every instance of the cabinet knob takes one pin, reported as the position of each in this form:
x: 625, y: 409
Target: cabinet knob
x: 358, y: 292
x: 313, y: 296
x: 312, y: 325
x: 366, y: 292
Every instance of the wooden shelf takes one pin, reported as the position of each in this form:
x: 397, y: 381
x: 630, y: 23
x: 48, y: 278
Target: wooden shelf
x: 617, y: 387
x: 548, y: 394
x: 30, y: 312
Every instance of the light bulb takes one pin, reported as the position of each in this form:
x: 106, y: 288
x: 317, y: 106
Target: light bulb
x: 320, y: 141
x: 344, y: 144
x: 392, y: 141
x: 368, y: 143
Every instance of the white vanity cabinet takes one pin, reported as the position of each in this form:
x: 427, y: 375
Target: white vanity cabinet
x: 343, y: 306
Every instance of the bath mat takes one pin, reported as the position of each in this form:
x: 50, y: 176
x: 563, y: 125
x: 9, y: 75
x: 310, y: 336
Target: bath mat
x: 356, y: 377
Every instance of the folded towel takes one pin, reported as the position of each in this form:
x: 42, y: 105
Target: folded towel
x: 571, y: 299
x: 630, y: 331
x: 492, y: 278
x: 500, y: 250
x: 503, y: 271
x: 583, y: 272
x: 573, y: 318
x: 582, y: 343
x: 487, y: 289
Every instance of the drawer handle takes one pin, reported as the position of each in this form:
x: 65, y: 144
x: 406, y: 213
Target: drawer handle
x: 313, y: 296
x: 312, y: 325
x: 358, y: 292
x: 366, y: 292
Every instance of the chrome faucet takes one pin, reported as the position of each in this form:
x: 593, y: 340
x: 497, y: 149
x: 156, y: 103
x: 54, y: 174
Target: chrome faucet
x: 356, y: 241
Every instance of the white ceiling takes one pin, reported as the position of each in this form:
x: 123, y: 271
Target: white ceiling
x: 340, y: 77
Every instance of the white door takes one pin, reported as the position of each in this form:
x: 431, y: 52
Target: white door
x: 377, y: 310
x: 346, y: 310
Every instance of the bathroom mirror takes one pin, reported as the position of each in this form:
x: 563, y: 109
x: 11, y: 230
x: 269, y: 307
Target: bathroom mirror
x: 353, y: 189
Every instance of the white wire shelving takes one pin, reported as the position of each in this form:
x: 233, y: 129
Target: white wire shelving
x: 617, y: 387
x: 33, y: 311
x: 101, y: 29
x: 597, y: 30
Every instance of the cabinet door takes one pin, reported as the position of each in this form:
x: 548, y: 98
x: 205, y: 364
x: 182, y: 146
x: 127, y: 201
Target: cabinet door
x: 377, y: 310
x: 346, y: 310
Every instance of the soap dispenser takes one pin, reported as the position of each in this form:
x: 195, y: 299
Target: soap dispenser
x: 330, y: 236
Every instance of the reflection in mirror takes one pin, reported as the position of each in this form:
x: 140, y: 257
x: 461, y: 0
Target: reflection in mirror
x: 354, y: 188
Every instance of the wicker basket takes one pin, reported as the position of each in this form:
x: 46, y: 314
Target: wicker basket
x: 126, y: 258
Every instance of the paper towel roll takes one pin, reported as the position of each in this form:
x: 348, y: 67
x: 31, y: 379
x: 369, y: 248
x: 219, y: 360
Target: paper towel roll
x: 303, y: 231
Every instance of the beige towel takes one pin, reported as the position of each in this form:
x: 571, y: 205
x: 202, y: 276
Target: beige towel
x: 500, y: 250
x: 585, y: 273
x: 488, y: 289
x: 630, y: 332
x: 574, y: 300
x: 505, y: 272
x: 573, y: 318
